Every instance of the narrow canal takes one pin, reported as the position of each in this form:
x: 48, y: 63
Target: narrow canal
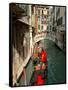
x: 56, y: 65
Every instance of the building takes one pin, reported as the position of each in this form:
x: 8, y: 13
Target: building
x: 56, y: 26
x: 60, y: 33
x: 21, y: 40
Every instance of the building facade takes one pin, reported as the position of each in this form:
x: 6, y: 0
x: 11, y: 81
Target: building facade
x: 56, y: 26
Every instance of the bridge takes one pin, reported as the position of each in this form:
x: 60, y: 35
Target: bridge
x: 43, y: 35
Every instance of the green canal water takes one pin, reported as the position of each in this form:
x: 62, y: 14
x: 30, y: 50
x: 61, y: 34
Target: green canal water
x: 56, y: 63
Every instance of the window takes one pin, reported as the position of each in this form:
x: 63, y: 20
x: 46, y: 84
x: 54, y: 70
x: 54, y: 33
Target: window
x: 58, y: 12
x: 42, y: 12
x: 59, y: 22
x: 39, y: 27
x: 53, y: 9
x: 42, y: 27
x: 39, y: 18
x: 50, y: 27
x: 38, y: 12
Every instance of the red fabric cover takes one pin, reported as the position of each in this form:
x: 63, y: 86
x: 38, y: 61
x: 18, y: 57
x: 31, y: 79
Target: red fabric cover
x: 43, y: 56
x: 40, y: 81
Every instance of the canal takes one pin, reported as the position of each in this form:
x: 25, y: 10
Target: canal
x: 56, y: 65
